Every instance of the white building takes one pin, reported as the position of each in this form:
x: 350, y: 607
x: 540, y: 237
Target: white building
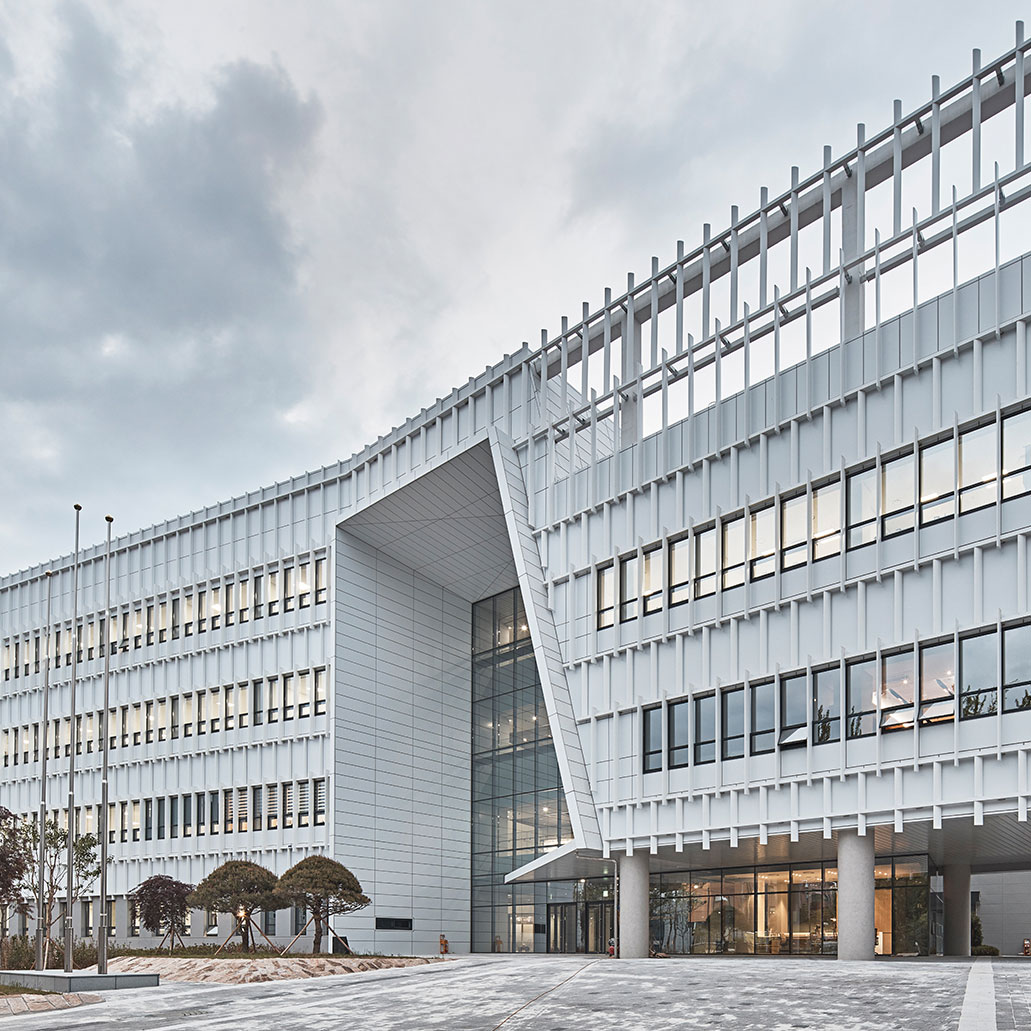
x: 727, y: 584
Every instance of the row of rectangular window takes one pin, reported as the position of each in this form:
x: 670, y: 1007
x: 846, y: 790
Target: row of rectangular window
x: 285, y: 804
x: 965, y: 472
x: 158, y: 622
x: 887, y: 694
x: 285, y: 697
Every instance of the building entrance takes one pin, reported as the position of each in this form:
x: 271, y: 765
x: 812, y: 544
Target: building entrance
x: 580, y: 926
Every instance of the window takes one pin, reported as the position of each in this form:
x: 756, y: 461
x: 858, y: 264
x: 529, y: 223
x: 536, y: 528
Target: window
x: 161, y: 819
x: 861, y: 698
x: 320, y: 580
x: 733, y: 553
x: 257, y: 702
x: 652, y: 739
x: 319, y: 788
x: 897, y: 496
x: 173, y: 816
x: 793, y: 532
x: 188, y: 616
x: 627, y: 588
x: 1016, y: 668
x: 202, y: 611
x: 268, y: 920
x: 937, y: 683
x: 303, y: 803
x: 303, y: 695
x: 1016, y: 455
x: 679, y: 571
x: 150, y: 625
x: 979, y: 692
x: 393, y: 923
x: 201, y: 812
x: 162, y: 718
x: 163, y: 622
x: 216, y: 607
x: 897, y: 690
x: 826, y: 522
x: 148, y: 722
x: 243, y: 707
x: 135, y: 821
x: 272, y: 807
x: 937, y: 480
x: 762, y: 543
x: 978, y: 467
x: 256, y: 807
x: 273, y: 699
x: 148, y: 820
x: 289, y: 696
x: 705, y: 729
x: 259, y: 608
x: 763, y: 729
x: 210, y: 922
x: 288, y: 804
x: 214, y: 710
x: 652, y: 581
x: 320, y: 692
x: 606, y: 599
x: 188, y: 715
x: 244, y: 601
x: 679, y: 738
x: 733, y: 723
x: 229, y: 604
x: 794, y: 722
x: 213, y: 812
x: 304, y: 585
x: 228, y: 707
x: 241, y: 809
x: 705, y: 562
x: 826, y: 705
x: 288, y: 589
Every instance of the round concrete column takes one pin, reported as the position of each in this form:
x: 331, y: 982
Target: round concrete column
x: 634, y: 890
x: 957, y: 910
x: 855, y: 895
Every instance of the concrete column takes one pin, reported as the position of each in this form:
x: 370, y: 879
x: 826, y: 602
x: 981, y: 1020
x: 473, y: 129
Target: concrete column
x: 634, y: 891
x: 855, y: 895
x: 957, y: 910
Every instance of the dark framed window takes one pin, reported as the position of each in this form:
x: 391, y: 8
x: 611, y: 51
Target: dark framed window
x: 606, y: 597
x: 762, y: 543
x: 679, y: 734
x: 979, y: 675
x: 627, y: 588
x: 826, y: 705
x: 897, y: 495
x: 679, y: 571
x: 897, y: 690
x: 861, y: 697
x: 1016, y: 668
x: 705, y: 729
x: 733, y: 556
x: 652, y: 581
x: 978, y: 468
x: 937, y: 683
x: 704, y: 573
x: 937, y: 481
x: 1016, y: 455
x: 733, y: 723
x: 794, y: 723
x: 764, y: 736
x: 793, y: 531
x: 826, y: 520
x: 652, y: 743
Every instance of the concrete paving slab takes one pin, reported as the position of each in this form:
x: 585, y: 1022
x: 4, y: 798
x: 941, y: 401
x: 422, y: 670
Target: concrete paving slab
x: 581, y: 993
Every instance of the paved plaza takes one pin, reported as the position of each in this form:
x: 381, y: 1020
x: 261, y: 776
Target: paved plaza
x: 580, y: 993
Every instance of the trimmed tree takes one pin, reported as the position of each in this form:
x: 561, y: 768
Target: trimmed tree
x: 241, y: 889
x: 14, y: 862
x: 324, y: 887
x: 161, y: 902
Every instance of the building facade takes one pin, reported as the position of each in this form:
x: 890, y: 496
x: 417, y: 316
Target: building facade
x: 712, y: 610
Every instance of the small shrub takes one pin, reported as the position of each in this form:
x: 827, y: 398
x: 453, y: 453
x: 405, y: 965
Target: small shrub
x: 21, y: 953
x: 984, y: 950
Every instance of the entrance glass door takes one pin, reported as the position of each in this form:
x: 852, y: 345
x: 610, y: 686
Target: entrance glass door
x: 562, y: 927
x: 598, y: 927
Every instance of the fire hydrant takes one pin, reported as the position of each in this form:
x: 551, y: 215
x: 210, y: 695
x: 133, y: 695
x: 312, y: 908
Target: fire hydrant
x: 443, y: 945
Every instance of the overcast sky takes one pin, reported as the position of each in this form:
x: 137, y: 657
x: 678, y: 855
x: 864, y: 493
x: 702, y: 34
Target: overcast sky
x: 239, y: 240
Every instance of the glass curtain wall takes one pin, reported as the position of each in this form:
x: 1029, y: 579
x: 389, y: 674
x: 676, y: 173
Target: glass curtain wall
x: 518, y: 807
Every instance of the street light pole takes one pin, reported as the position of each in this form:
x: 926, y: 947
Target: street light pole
x: 69, y: 929
x: 102, y: 822
x: 41, y: 919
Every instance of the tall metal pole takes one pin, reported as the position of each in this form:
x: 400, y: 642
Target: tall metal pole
x: 42, y: 925
x: 102, y: 822
x: 69, y: 935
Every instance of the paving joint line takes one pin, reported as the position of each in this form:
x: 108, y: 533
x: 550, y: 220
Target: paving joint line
x: 547, y: 991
